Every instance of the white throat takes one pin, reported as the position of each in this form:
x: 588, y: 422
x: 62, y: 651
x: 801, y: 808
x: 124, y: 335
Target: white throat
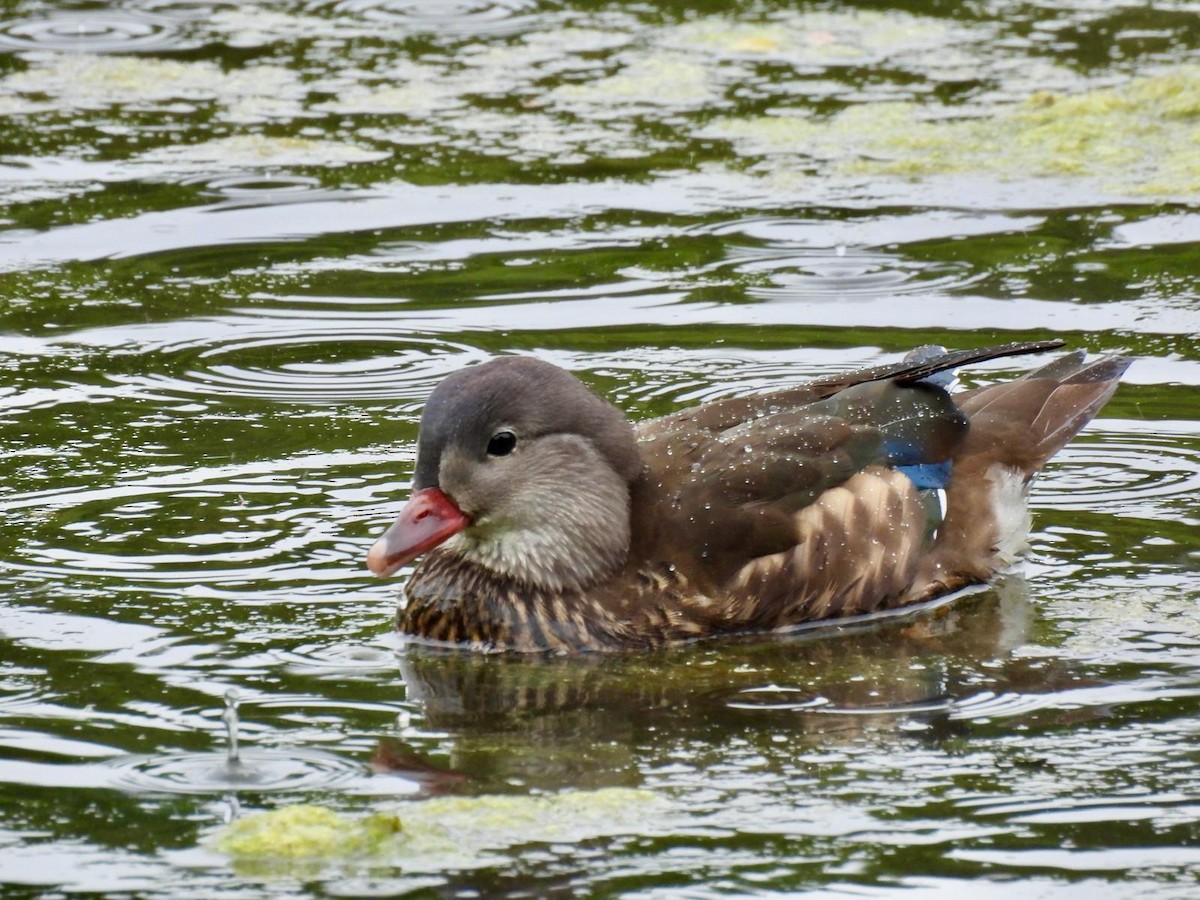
x: 563, y: 528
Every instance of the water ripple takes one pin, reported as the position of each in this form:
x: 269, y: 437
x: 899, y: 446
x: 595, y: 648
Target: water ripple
x: 435, y: 16
x: 788, y: 699
x: 294, y: 769
x: 341, y: 660
x: 191, y: 10
x: 1076, y: 810
x: 311, y: 364
x: 839, y: 274
x: 260, y: 189
x: 90, y: 31
x: 777, y: 697
x: 1124, y: 473
x: 920, y: 699
x: 214, y: 528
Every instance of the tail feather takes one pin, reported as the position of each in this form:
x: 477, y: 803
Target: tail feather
x: 1025, y: 422
x: 1015, y: 427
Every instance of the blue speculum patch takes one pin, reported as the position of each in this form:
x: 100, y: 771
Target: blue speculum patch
x: 928, y: 476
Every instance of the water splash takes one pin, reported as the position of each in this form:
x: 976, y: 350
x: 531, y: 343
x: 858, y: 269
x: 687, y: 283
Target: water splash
x: 256, y: 770
x: 230, y: 717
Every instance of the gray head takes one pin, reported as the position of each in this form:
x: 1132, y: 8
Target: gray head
x: 536, y: 466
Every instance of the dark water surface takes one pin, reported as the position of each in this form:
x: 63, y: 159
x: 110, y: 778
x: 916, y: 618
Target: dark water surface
x: 240, y: 243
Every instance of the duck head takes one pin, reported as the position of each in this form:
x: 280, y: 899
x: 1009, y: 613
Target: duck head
x: 522, y: 470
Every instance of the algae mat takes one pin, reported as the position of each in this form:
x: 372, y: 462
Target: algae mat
x: 1140, y: 138
x: 430, y: 835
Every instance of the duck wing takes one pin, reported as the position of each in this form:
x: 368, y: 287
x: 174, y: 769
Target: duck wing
x: 719, y: 415
x: 818, y: 501
x: 723, y: 498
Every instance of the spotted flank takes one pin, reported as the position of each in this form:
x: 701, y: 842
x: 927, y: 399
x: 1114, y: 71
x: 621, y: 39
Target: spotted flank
x: 857, y: 550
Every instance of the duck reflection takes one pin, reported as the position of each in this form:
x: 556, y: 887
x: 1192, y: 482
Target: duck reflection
x: 600, y: 720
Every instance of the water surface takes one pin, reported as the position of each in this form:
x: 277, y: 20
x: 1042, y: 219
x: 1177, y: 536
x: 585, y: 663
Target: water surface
x: 240, y: 243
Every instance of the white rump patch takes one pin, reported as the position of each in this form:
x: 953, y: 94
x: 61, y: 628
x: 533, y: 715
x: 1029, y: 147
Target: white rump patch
x: 1010, y: 510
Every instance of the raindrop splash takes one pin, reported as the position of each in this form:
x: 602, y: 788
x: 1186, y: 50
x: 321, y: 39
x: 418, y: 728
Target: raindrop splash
x: 258, y: 770
x: 230, y: 717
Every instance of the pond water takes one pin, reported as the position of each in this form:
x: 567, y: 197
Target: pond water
x: 240, y: 243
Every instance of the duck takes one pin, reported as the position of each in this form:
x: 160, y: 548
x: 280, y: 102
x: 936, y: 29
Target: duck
x: 542, y: 520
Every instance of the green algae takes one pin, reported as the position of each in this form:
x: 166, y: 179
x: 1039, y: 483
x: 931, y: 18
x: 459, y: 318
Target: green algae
x: 255, y: 149
x: 610, y: 87
x: 307, y: 832
x: 821, y: 37
x: 1139, y: 138
x: 97, y: 82
x: 431, y: 835
x: 670, y: 80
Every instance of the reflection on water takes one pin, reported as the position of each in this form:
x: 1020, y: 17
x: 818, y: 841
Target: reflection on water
x: 240, y: 243
x: 832, y: 684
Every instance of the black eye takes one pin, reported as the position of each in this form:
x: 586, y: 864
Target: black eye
x: 502, y: 443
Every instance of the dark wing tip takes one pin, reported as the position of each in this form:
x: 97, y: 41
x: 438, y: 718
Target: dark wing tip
x: 930, y: 360
x: 956, y: 358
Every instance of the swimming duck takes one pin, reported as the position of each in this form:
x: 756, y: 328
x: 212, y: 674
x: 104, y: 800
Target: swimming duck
x: 545, y: 521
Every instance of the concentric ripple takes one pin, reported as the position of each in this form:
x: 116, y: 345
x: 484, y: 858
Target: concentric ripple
x: 1123, y: 472
x: 340, y: 660
x: 178, y: 528
x: 295, y: 769
x: 839, y: 274
x: 788, y: 699
x: 90, y: 31
x: 262, y: 189
x: 1055, y: 810
x: 184, y: 9
x: 315, y: 364
x: 436, y: 16
x: 777, y: 697
x: 993, y: 705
